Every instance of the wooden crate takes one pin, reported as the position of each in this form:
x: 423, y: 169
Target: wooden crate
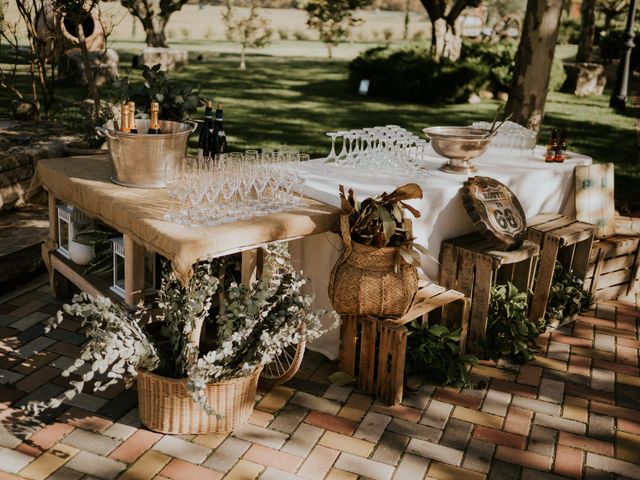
x: 373, y: 349
x: 560, y: 238
x: 614, y: 268
x: 469, y: 265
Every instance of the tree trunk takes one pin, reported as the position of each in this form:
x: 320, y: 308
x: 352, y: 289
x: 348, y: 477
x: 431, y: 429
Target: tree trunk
x: 587, y: 30
x: 446, y: 41
x: 154, y: 29
x: 533, y: 62
x: 329, y: 50
x: 407, y: 9
x: 243, y: 65
x: 91, y: 81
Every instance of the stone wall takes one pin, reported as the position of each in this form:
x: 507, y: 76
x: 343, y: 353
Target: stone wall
x: 22, y: 145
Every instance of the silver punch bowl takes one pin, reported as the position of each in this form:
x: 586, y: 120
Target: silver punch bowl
x: 460, y: 145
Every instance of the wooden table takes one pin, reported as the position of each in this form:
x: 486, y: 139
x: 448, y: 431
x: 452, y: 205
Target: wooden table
x: 84, y: 182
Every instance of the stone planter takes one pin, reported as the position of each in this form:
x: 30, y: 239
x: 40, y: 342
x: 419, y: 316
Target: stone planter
x: 168, y: 58
x: 584, y: 79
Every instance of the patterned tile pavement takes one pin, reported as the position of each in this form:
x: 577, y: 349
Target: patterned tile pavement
x: 572, y: 413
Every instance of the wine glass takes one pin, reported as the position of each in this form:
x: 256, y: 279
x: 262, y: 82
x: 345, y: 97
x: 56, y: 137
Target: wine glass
x: 171, y: 171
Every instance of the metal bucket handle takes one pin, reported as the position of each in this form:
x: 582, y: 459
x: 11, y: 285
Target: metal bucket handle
x: 192, y: 124
x: 104, y: 133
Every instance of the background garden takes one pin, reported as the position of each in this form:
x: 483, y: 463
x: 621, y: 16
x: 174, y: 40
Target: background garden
x: 292, y: 93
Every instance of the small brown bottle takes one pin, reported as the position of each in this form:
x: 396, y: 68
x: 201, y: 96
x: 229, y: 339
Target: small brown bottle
x: 132, y: 117
x: 154, y: 124
x: 561, y: 148
x: 124, y: 118
x: 552, y: 145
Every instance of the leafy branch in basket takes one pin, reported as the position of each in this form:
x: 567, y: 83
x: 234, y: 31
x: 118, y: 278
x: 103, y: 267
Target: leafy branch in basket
x: 567, y: 296
x: 255, y: 323
x: 509, y: 330
x: 381, y: 222
x: 434, y: 352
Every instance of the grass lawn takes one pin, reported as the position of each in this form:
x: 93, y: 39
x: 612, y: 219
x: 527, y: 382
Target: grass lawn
x: 294, y: 101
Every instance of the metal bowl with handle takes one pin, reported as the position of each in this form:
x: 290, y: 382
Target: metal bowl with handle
x: 138, y: 159
x: 460, y: 145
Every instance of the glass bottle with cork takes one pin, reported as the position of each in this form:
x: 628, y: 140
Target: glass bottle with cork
x: 552, y: 146
x: 204, y: 140
x: 219, y: 137
x: 124, y: 118
x: 132, y: 117
x: 154, y: 124
x: 561, y: 148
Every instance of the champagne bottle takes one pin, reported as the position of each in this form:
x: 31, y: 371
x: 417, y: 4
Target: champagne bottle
x: 124, y: 118
x: 154, y: 124
x: 552, y: 145
x: 219, y: 138
x: 204, y: 140
x: 132, y: 117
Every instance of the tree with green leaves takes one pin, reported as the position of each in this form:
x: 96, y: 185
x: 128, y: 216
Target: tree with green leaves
x: 250, y: 30
x: 612, y: 9
x: 333, y: 19
x: 154, y: 16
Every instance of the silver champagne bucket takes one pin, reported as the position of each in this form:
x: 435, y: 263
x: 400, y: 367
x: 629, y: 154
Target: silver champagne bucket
x: 139, y: 160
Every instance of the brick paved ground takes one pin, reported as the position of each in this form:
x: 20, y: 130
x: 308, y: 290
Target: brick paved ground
x: 572, y: 413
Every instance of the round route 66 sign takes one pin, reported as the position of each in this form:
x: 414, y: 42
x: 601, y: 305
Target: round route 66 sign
x: 495, y: 211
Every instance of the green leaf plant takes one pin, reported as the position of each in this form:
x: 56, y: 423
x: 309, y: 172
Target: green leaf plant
x: 567, y: 296
x: 381, y: 221
x: 252, y: 326
x: 510, y: 333
x: 433, y: 352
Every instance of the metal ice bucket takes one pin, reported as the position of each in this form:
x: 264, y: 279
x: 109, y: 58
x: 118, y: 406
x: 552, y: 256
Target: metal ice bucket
x: 460, y: 145
x: 139, y: 160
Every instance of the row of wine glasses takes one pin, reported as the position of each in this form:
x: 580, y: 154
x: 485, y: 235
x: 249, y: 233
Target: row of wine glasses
x: 235, y: 186
x: 512, y: 139
x: 379, y: 148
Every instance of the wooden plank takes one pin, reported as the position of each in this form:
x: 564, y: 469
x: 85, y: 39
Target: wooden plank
x: 368, y: 338
x: 527, y: 250
x: 523, y: 274
x: 593, y: 286
x: 614, y: 278
x: 618, y: 263
x: 425, y: 305
x: 634, y: 278
x: 594, y: 189
x: 556, y: 225
x: 608, y: 293
x: 577, y: 232
x: 627, y: 225
x: 251, y: 265
x: 617, y: 245
x: 448, y: 265
x: 133, y: 271
x: 74, y: 277
x: 541, y: 219
x: 544, y: 277
x: 348, y: 343
x: 466, y: 271
x: 481, y: 296
x: 391, y: 360
x: 53, y: 218
x: 580, y: 264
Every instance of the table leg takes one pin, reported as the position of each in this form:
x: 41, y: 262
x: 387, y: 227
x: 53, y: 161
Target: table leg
x: 59, y: 284
x: 133, y: 271
x: 251, y: 266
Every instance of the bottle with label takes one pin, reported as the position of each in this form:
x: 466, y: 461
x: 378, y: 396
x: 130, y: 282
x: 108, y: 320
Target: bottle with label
x: 219, y: 138
x: 132, y: 117
x: 124, y: 118
x: 204, y: 140
x: 154, y: 124
x: 561, y: 148
x: 552, y: 145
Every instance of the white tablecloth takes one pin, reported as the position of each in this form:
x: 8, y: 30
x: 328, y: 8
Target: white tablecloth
x: 540, y: 187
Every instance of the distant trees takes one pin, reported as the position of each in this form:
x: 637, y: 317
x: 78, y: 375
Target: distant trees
x: 154, y: 15
x: 251, y: 30
x: 611, y: 9
x: 333, y: 19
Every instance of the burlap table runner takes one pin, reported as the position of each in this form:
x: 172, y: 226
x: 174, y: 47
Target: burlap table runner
x: 85, y: 183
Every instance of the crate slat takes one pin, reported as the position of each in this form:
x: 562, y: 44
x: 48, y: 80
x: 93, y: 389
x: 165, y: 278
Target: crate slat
x: 368, y: 340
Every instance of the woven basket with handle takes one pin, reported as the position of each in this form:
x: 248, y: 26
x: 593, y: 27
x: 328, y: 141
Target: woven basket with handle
x: 363, y: 280
x: 165, y: 404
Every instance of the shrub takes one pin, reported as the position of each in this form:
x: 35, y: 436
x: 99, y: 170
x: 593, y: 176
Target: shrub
x: 610, y: 44
x: 569, y: 32
x: 410, y: 73
x: 283, y: 34
x: 300, y: 35
x: 387, y: 34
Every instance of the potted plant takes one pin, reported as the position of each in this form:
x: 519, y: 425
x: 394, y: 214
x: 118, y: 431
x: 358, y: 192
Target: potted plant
x: 186, y: 385
x: 567, y: 297
x: 376, y: 273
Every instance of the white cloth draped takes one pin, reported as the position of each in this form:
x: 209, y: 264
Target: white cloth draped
x: 540, y: 187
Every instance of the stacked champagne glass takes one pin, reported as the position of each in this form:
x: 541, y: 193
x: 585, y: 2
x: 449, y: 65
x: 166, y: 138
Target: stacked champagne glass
x: 235, y: 186
x: 389, y: 148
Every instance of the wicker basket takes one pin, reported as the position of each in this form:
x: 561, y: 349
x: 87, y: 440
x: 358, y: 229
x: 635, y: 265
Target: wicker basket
x: 363, y: 280
x: 166, y: 406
